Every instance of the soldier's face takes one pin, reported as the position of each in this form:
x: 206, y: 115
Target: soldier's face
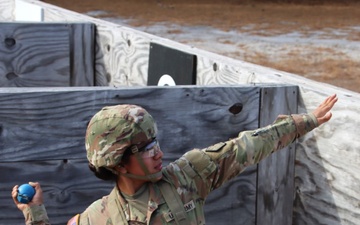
x: 151, y: 160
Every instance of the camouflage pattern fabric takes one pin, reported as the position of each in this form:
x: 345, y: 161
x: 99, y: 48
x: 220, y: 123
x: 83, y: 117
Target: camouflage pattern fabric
x: 198, y: 172
x: 36, y: 215
x: 113, y: 130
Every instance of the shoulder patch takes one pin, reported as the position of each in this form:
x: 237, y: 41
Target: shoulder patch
x: 215, y: 147
x: 74, y: 220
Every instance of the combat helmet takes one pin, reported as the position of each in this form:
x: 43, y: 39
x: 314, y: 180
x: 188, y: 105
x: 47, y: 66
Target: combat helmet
x: 113, y: 130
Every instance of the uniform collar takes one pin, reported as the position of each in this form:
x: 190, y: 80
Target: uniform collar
x: 118, y: 205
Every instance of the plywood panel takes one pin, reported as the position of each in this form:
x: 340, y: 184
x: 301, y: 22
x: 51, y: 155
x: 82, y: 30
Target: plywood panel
x: 42, y: 133
x: 46, y: 54
x: 34, y: 55
x: 82, y: 53
x: 6, y: 10
x: 51, y: 115
x: 275, y: 181
x: 327, y: 159
x: 68, y: 185
x: 121, y: 55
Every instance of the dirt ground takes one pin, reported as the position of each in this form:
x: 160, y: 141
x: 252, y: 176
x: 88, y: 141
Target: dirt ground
x: 337, y: 63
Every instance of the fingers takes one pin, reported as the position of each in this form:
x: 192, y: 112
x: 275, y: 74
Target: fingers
x: 14, y: 193
x: 322, y: 112
x: 38, y: 197
x: 325, y: 118
x: 35, y: 185
x: 330, y: 101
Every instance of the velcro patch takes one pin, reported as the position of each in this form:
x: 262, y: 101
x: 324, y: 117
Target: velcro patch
x: 216, y: 147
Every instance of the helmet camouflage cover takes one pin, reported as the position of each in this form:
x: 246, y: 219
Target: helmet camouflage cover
x: 114, y: 129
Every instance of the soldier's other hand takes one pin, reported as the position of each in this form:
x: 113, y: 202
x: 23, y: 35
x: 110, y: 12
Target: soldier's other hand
x: 322, y: 112
x: 37, y: 199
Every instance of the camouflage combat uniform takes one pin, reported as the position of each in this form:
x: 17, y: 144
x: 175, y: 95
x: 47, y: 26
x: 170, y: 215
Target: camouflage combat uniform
x: 195, y: 175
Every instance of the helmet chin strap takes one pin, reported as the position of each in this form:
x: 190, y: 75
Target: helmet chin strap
x: 152, y: 177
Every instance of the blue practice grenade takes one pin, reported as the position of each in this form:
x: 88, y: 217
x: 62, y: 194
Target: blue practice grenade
x: 25, y: 193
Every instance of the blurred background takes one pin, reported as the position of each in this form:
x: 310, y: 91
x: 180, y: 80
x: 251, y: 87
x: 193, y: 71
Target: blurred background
x: 317, y: 39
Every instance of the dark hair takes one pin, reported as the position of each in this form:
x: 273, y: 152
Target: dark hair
x: 105, y: 174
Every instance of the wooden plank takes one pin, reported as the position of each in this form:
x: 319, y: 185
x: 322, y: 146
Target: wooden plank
x: 82, y: 53
x: 68, y: 185
x: 34, y: 55
x: 235, y: 202
x: 323, y: 179
x: 6, y: 10
x: 327, y: 177
x: 33, y: 115
x: 46, y: 54
x: 115, y: 45
x: 39, y: 134
x: 275, y: 181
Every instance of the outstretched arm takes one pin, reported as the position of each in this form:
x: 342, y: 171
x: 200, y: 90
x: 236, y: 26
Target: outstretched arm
x: 250, y: 147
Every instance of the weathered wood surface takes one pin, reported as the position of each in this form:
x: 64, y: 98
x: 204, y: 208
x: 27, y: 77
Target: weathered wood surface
x: 46, y: 54
x: 6, y: 10
x: 42, y: 136
x: 115, y: 45
x: 30, y: 53
x: 336, y: 197
x: 275, y: 184
x: 82, y: 54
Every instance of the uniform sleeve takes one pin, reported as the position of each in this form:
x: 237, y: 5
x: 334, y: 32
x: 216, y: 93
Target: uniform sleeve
x: 225, y: 160
x: 36, y: 215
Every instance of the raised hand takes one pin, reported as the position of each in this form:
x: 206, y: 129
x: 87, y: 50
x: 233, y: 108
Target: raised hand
x: 322, y: 112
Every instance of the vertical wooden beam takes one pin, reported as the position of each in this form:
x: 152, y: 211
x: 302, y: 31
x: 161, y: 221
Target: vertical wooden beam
x: 275, y: 184
x: 82, y: 54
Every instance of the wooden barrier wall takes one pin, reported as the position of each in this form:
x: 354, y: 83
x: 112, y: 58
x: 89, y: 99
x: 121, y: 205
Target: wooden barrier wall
x: 326, y: 178
x: 46, y: 54
x: 42, y: 139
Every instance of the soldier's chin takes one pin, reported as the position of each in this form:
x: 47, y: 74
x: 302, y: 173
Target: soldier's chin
x: 157, y: 178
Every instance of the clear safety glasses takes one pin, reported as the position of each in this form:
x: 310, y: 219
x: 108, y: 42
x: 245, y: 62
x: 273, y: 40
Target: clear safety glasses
x: 150, y: 150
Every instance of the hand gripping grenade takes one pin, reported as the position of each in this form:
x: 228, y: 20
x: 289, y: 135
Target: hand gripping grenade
x: 25, y: 193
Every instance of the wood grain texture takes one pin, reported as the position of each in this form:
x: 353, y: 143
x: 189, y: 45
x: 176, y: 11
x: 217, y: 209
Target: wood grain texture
x: 34, y: 55
x: 336, y: 156
x: 42, y: 136
x: 49, y: 115
x: 82, y: 54
x: 115, y: 46
x: 275, y: 184
x: 68, y: 186
x: 327, y: 163
x: 46, y: 54
x: 211, y: 71
x: 6, y: 10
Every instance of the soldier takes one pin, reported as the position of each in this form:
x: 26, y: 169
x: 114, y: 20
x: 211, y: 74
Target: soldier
x: 121, y: 146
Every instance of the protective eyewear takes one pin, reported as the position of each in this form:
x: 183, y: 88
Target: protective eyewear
x: 150, y: 150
